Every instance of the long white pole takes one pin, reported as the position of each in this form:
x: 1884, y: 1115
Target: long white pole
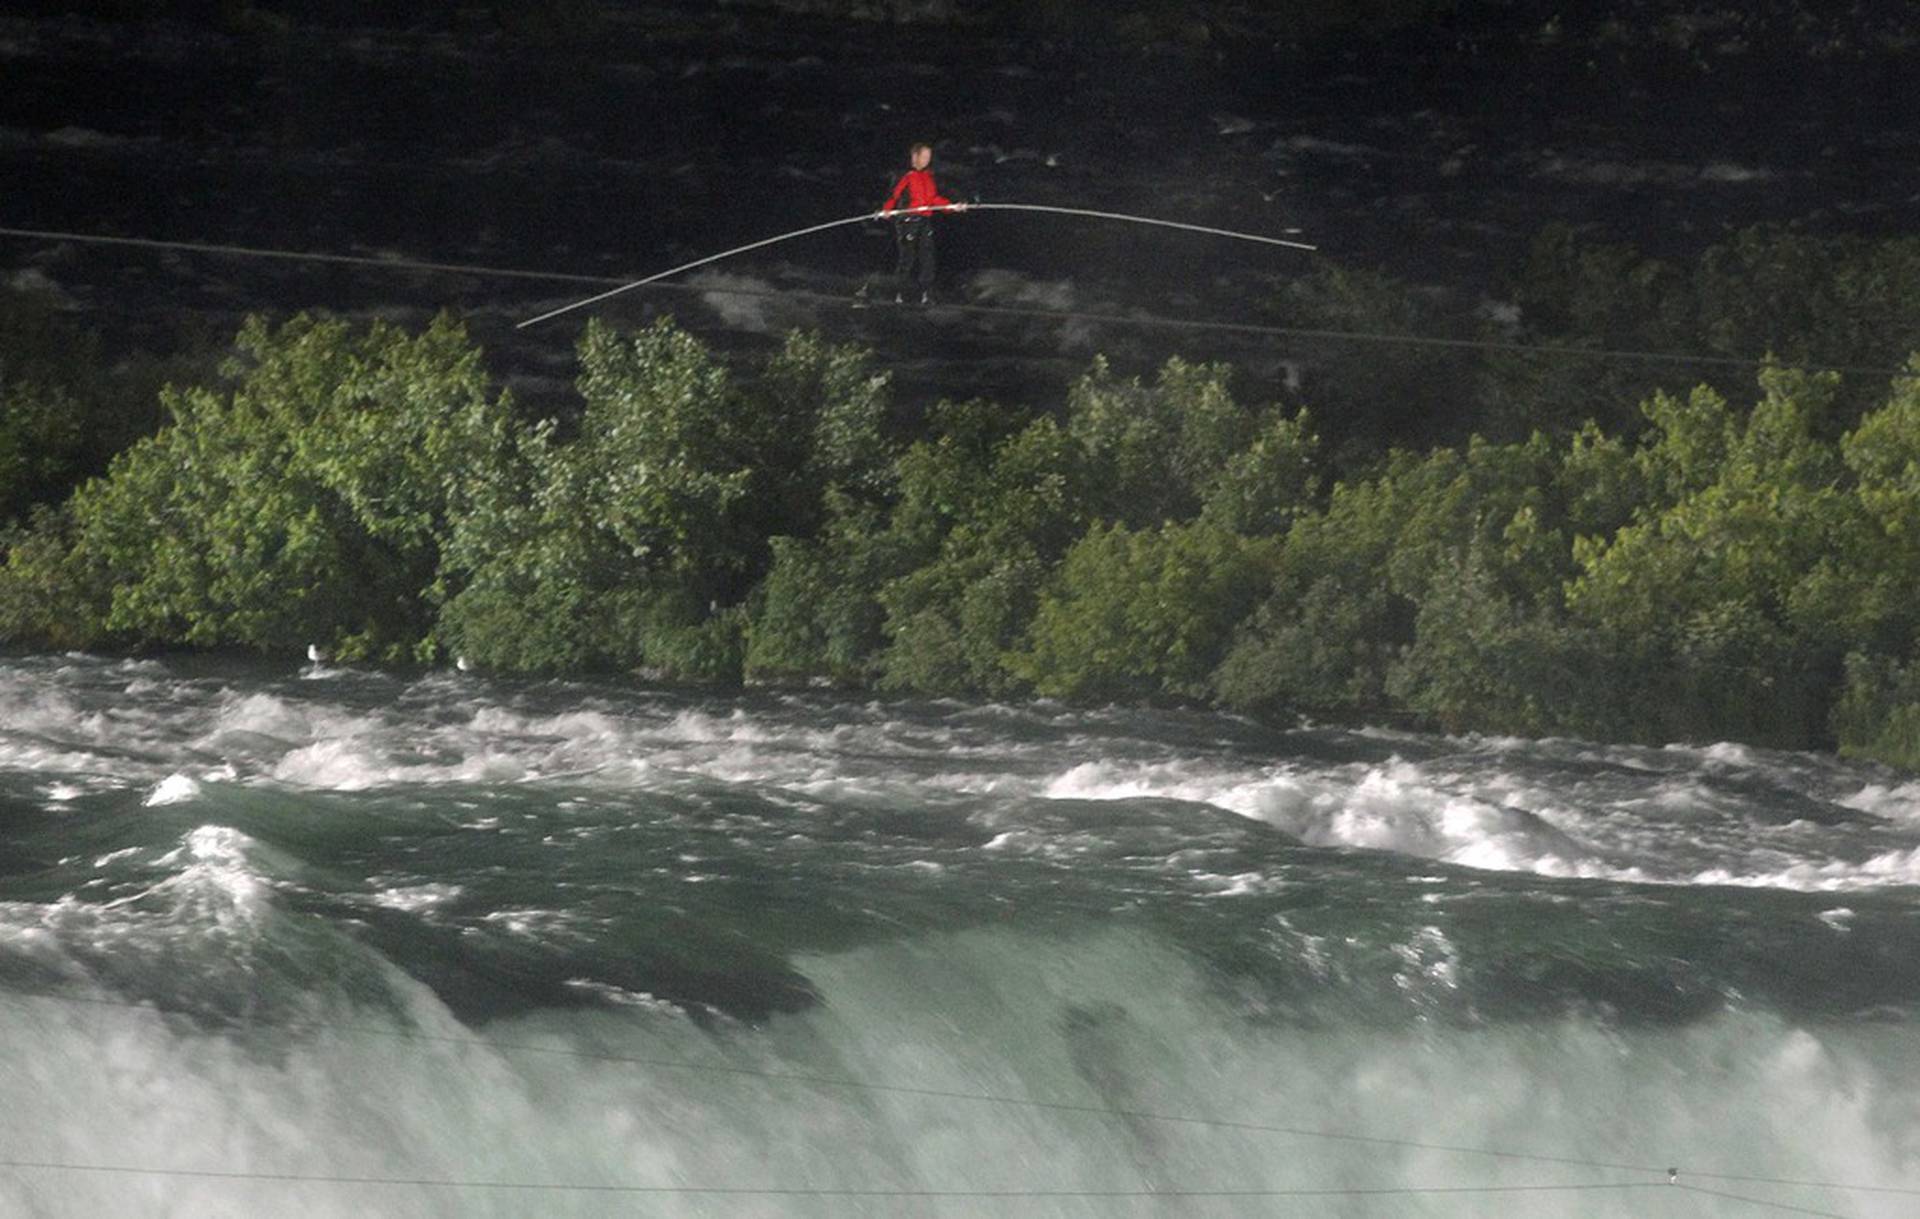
x: 905, y: 211
x: 1171, y: 224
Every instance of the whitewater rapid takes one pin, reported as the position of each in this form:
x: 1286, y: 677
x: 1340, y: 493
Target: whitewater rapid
x: 323, y: 942
x: 1721, y: 814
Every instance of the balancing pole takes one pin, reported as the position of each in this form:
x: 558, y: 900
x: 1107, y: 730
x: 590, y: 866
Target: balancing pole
x: 865, y: 216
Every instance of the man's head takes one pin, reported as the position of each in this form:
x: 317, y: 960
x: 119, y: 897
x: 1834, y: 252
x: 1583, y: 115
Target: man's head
x: 921, y: 155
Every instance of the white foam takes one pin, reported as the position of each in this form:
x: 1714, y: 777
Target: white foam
x: 338, y: 765
x: 33, y: 707
x: 1020, y: 841
x: 1112, y: 781
x: 1393, y: 807
x: 1430, y: 964
x: 534, y: 923
x: 1677, y: 814
x: 216, y: 884
x: 1731, y: 753
x: 415, y: 899
x: 643, y: 1000
x: 1894, y: 867
x: 176, y: 788
x: 1239, y: 884
x: 269, y: 715
x: 1900, y: 802
x: 499, y: 744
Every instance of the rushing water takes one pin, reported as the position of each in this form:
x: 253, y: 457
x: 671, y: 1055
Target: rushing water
x: 327, y: 931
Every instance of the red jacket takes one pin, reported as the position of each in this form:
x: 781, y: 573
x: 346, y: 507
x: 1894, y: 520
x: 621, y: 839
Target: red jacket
x: 917, y: 185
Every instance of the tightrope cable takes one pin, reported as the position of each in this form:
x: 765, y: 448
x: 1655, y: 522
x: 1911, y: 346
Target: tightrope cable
x: 356, y: 260
x: 1133, y: 320
x: 1265, y: 330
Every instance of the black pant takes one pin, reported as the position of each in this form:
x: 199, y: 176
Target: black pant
x: 913, y: 238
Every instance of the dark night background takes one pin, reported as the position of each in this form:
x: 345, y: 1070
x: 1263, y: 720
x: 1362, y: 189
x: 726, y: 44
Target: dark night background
x: 1428, y: 141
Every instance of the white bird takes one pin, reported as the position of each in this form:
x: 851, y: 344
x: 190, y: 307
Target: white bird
x: 317, y: 654
x: 463, y: 664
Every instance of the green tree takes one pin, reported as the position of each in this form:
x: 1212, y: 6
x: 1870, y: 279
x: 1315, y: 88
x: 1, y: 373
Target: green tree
x: 1259, y: 490
x: 528, y: 576
x: 42, y: 439
x: 1153, y: 451
x: 1141, y: 613
x: 639, y: 540
x: 818, y: 612
x: 66, y: 404
x: 304, y: 501
x: 1724, y: 582
x: 1324, y: 637
x: 662, y: 461
x: 1350, y: 580
x: 1877, y: 713
x: 1882, y: 555
x: 1484, y: 659
x: 995, y: 531
x: 1823, y: 300
x: 49, y: 596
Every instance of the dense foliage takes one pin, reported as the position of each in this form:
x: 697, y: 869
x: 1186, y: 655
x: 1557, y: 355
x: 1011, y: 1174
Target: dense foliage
x: 1662, y: 323
x: 65, y: 407
x: 1721, y: 561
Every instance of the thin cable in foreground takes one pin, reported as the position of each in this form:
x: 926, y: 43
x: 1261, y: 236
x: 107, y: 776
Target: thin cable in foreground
x: 987, y: 1098
x: 1800, y: 1183
x: 1788, y: 1207
x: 813, y: 1191
x: 826, y: 1081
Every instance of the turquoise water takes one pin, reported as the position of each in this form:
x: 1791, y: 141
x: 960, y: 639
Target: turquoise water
x: 325, y: 942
